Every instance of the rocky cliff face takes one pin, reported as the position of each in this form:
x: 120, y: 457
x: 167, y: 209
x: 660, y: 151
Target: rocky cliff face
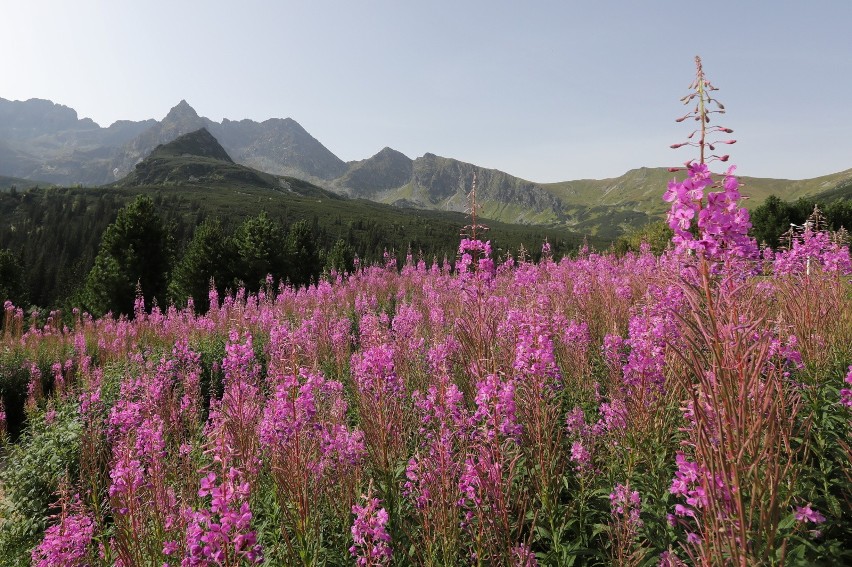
x: 24, y: 120
x: 44, y: 141
x: 278, y: 146
x: 434, y: 182
x: 445, y: 183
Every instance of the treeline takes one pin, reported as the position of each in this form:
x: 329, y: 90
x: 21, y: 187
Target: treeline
x: 90, y: 247
x: 771, y: 220
x: 137, y: 259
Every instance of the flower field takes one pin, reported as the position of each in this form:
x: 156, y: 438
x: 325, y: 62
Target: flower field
x: 598, y: 410
x: 689, y: 408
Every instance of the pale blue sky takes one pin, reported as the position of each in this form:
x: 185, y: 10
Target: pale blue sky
x: 544, y: 90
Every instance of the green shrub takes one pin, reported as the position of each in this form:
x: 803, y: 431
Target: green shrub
x: 46, y: 453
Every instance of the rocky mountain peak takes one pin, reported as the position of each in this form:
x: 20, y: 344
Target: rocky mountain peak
x: 35, y: 117
x: 182, y: 111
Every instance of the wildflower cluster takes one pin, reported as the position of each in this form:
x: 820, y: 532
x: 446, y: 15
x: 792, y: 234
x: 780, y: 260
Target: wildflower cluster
x: 846, y: 393
x: 813, y: 250
x: 721, y: 224
x: 475, y: 256
x: 69, y: 541
x: 221, y: 534
x: 369, y: 532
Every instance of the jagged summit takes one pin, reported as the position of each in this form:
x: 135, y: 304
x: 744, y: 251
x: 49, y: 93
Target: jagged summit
x: 182, y: 109
x: 391, y: 153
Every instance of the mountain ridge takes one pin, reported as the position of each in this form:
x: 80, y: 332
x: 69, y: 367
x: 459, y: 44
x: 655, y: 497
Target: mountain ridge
x: 45, y: 141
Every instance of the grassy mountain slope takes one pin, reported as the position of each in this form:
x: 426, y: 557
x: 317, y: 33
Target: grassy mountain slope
x: 842, y: 190
x: 197, y: 159
x: 440, y: 183
x: 607, y: 207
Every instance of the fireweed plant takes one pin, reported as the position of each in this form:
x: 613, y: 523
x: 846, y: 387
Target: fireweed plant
x: 691, y: 408
x: 744, y: 436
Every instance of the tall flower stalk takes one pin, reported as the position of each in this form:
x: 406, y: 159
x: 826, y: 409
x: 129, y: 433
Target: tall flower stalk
x: 736, y: 471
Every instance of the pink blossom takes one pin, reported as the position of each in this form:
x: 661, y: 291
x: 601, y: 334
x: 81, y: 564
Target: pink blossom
x: 808, y: 514
x: 846, y: 393
x: 369, y: 534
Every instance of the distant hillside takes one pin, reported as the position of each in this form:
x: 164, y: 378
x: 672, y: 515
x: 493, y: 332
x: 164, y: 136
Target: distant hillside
x: 7, y: 183
x: 610, y: 206
x: 386, y: 170
x: 200, y: 143
x: 842, y: 190
x: 444, y: 184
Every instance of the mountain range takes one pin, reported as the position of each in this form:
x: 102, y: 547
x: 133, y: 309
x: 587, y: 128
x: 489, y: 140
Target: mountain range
x: 47, y: 142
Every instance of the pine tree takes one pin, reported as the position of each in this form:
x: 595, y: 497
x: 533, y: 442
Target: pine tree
x: 303, y: 256
x: 209, y: 256
x: 135, y: 250
x: 260, y: 245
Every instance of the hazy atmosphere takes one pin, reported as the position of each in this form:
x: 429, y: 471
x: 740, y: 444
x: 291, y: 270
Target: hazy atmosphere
x: 547, y: 92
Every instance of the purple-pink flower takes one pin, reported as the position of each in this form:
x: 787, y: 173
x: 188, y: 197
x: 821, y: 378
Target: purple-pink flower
x: 808, y: 514
x: 372, y: 542
x: 66, y: 544
x: 846, y: 393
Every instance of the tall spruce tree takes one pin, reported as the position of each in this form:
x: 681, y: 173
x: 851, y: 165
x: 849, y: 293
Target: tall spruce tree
x: 261, y: 247
x: 303, y: 256
x: 209, y: 256
x: 135, y: 251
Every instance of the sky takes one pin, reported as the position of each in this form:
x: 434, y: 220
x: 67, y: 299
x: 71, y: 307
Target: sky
x: 545, y: 90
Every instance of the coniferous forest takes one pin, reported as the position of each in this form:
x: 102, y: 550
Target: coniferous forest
x: 88, y: 248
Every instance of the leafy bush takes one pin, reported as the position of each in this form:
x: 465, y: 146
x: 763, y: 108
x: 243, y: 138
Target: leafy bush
x: 45, y: 455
